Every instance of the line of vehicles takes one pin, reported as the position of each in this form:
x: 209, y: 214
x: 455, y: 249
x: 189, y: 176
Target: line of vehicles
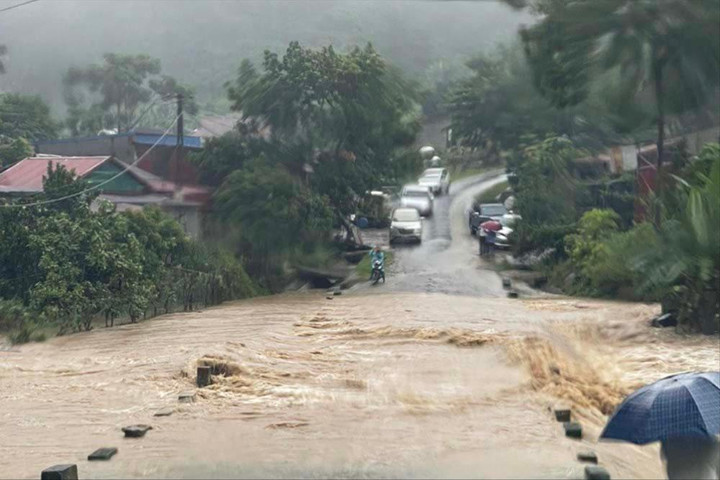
x: 416, y: 202
x: 492, y: 223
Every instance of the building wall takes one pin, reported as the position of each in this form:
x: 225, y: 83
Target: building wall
x: 160, y: 161
x: 116, y: 145
x: 190, y: 218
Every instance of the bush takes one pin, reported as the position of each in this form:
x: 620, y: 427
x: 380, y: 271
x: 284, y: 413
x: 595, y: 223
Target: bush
x: 20, y: 322
x: 613, y: 268
x: 532, y: 238
x: 67, y: 265
x: 585, y: 246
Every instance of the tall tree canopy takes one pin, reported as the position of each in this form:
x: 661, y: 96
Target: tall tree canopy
x: 670, y: 48
x: 27, y: 117
x: 111, y: 94
x: 23, y: 119
x: 342, y: 113
x: 498, y: 108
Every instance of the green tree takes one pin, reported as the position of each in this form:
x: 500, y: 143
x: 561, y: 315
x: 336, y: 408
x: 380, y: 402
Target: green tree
x: 28, y: 117
x: 118, y: 86
x: 274, y: 210
x: 223, y: 155
x: 12, y: 151
x: 689, y: 242
x: 327, y: 109
x: 668, y: 47
x: 546, y: 194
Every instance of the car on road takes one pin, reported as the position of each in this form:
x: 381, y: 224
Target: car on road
x: 483, y: 212
x: 502, y: 237
x: 405, y: 226
x: 437, y: 179
x: 418, y: 197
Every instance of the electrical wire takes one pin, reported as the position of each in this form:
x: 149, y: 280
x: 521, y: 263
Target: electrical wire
x: 94, y: 187
x: 18, y: 5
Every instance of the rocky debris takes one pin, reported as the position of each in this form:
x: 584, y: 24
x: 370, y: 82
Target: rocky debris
x: 136, y: 431
x: 588, y: 457
x: 593, y: 472
x: 203, y: 376
x: 164, y: 412
x: 562, y: 414
x: 60, y: 472
x: 186, y: 397
x: 103, y: 453
x: 664, y: 320
x: 572, y: 429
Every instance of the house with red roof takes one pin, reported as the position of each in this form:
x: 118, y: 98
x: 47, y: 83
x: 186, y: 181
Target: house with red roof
x: 150, y: 150
x: 124, y: 185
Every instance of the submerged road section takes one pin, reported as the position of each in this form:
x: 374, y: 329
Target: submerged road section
x: 434, y: 375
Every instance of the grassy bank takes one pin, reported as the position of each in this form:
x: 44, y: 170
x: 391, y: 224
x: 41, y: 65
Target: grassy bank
x: 459, y: 174
x: 490, y: 195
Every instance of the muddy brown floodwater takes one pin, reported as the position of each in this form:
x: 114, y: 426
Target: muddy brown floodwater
x: 377, y: 383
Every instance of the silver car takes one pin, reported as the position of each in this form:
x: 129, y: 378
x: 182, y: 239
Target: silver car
x: 437, y: 179
x: 406, y: 225
x: 418, y: 197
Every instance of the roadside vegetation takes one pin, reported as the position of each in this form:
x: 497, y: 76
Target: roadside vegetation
x: 320, y: 128
x: 491, y: 194
x: 65, y: 266
x: 543, y: 108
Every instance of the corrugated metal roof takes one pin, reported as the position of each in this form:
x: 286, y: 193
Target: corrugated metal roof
x: 167, y: 141
x: 82, y: 139
x: 27, y: 175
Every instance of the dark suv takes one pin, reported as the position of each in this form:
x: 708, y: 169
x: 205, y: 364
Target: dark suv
x: 483, y: 212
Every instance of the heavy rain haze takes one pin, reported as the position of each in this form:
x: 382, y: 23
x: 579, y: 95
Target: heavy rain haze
x: 202, y: 43
x: 368, y: 239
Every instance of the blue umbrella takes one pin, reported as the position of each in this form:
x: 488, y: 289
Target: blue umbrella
x: 684, y: 405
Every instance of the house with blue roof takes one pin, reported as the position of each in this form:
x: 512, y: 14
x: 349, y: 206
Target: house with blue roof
x: 128, y: 147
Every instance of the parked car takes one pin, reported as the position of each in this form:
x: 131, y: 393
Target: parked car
x: 438, y: 179
x: 405, y: 225
x: 418, y: 197
x: 502, y: 237
x: 483, y: 212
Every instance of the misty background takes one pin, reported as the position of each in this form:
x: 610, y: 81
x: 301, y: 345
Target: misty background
x: 202, y: 43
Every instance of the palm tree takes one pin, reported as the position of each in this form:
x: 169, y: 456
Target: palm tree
x: 670, y: 46
x: 689, y: 242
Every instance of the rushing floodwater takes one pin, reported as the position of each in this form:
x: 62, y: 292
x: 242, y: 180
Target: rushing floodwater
x: 396, y: 382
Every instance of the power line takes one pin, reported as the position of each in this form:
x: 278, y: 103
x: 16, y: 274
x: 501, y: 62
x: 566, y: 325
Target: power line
x: 18, y: 5
x: 95, y: 187
x: 164, y: 98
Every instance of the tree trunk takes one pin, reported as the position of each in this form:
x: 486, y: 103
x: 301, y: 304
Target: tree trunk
x: 658, y: 67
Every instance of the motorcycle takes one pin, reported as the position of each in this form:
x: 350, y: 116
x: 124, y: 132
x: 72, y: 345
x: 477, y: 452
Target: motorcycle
x: 378, y: 272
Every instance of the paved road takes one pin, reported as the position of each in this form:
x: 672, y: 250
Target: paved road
x: 447, y: 260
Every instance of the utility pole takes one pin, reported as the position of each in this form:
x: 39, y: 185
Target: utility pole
x: 179, y: 146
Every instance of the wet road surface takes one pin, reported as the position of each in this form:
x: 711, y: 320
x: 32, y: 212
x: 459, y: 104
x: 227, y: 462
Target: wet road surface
x: 447, y: 260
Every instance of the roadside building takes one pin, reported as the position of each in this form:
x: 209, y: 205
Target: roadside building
x: 161, y: 161
x: 125, y: 186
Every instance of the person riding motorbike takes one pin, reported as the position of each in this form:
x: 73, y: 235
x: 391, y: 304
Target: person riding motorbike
x: 376, y: 255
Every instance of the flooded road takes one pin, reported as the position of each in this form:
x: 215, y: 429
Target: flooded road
x: 417, y: 380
